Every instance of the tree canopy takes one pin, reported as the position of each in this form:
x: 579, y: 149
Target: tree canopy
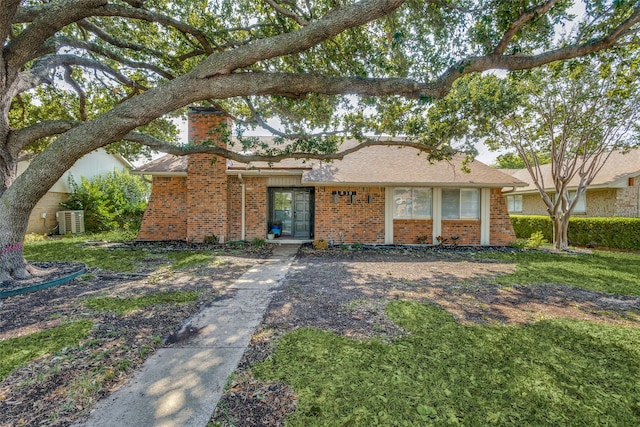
x: 77, y: 75
x: 565, y: 118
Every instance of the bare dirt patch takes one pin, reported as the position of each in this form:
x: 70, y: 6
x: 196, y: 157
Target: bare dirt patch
x: 346, y: 292
x: 59, y: 389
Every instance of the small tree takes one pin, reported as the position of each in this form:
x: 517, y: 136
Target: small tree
x: 113, y: 201
x: 572, y: 117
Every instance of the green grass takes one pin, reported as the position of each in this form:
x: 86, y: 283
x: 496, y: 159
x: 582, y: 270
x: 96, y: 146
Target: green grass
x: 125, y: 305
x: 556, y: 372
x: 15, y: 352
x: 73, y: 250
x: 189, y: 259
x: 613, y: 272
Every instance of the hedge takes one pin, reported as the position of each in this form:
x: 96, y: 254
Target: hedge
x: 615, y: 233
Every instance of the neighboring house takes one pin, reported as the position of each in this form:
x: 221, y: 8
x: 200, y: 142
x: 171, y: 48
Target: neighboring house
x: 98, y: 162
x: 377, y: 195
x: 615, y: 191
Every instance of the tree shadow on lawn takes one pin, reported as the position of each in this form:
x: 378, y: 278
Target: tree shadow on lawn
x: 348, y: 297
x: 46, y: 308
x: 554, y: 372
x: 612, y: 272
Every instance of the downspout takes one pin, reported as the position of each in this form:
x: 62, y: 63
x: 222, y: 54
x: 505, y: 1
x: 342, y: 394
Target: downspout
x: 242, y: 209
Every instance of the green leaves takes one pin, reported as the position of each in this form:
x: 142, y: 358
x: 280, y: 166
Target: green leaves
x: 116, y: 200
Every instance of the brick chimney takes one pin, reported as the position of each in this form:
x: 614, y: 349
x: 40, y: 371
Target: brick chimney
x: 207, y: 187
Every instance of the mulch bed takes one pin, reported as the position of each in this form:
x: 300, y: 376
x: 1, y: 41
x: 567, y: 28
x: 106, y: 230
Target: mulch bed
x: 346, y: 292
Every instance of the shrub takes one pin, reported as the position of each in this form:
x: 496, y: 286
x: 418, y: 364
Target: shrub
x: 320, y: 244
x: 616, y: 233
x: 258, y: 242
x: 536, y: 240
x: 34, y: 237
x: 525, y: 225
x: 113, y: 201
x: 212, y: 239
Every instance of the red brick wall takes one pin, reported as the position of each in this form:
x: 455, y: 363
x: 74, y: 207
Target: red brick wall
x: 255, y: 208
x: 467, y: 230
x: 407, y: 231
x: 361, y: 221
x: 166, y: 214
x: 501, y: 230
x: 207, y: 197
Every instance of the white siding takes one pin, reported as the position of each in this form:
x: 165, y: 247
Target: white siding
x: 97, y: 162
x: 284, y: 181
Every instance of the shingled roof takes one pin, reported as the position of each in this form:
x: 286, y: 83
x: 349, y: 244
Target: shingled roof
x: 377, y: 165
x: 615, y: 173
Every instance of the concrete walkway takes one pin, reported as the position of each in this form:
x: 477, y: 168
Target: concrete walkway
x: 181, y: 385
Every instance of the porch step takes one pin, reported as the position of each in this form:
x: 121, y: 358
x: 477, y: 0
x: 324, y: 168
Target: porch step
x: 289, y: 241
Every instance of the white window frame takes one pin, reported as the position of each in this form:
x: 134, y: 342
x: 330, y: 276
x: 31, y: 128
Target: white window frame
x: 581, y: 206
x: 460, y: 203
x: 412, y: 215
x: 512, y: 206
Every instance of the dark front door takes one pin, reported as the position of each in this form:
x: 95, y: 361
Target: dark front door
x: 293, y: 209
x: 302, y: 214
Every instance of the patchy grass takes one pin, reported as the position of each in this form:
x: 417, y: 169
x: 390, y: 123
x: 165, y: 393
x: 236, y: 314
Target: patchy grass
x: 189, y: 259
x: 555, y: 372
x: 613, y: 272
x: 16, y: 352
x: 73, y: 250
x: 125, y: 305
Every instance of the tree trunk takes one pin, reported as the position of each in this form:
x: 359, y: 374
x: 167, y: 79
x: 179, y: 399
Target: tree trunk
x: 12, y: 230
x: 560, y: 235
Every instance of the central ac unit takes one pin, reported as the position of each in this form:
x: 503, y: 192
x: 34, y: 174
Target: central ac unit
x: 70, y: 222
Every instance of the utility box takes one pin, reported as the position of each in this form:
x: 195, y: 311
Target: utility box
x: 70, y: 222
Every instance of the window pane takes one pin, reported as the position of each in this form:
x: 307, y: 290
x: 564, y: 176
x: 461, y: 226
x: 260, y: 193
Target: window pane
x: 517, y: 203
x: 470, y: 203
x: 402, y: 205
x: 581, y: 206
x: 450, y: 204
x: 421, y: 202
x: 514, y: 203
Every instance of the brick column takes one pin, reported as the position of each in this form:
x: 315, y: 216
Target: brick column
x: 207, y: 187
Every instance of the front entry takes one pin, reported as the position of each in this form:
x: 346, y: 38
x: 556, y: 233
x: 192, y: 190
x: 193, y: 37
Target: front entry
x: 292, y: 209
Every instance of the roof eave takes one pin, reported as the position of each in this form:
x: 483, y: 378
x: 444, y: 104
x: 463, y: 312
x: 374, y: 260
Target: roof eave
x: 411, y: 184
x: 164, y: 173
x: 551, y: 189
x: 264, y: 172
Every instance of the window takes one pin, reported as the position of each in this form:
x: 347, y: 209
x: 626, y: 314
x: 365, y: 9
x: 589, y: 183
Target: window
x: 412, y: 203
x: 461, y: 203
x: 514, y: 203
x: 581, y: 205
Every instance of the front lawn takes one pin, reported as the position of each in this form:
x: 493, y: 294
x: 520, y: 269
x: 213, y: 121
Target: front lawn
x: 15, y: 352
x: 551, y: 373
x: 64, y: 347
x: 75, y: 249
x: 524, y: 339
x: 611, y: 272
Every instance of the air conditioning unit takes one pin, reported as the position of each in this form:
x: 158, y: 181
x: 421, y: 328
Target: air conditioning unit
x: 70, y: 222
